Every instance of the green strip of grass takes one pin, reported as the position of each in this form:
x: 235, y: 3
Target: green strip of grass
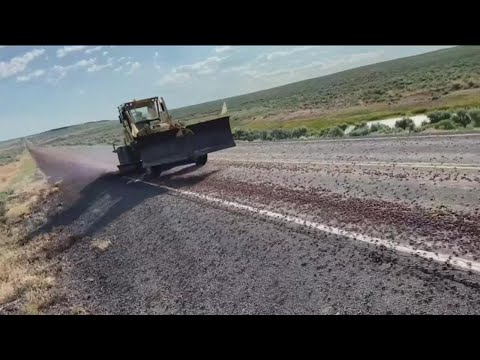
x: 450, y: 103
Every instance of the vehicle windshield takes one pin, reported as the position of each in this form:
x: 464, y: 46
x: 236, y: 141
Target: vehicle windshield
x: 148, y: 112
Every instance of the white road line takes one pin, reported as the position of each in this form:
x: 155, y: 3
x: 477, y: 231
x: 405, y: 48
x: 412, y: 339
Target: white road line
x: 460, y: 263
x: 353, y: 163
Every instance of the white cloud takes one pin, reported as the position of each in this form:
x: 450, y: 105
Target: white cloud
x: 68, y: 49
x: 58, y: 72
x: 96, y: 67
x: 18, y: 64
x: 118, y: 68
x: 174, y: 78
x: 288, y: 52
x: 91, y: 50
x: 2, y: 46
x: 237, y: 68
x: 365, y: 56
x: 182, y: 73
x: 222, y: 49
x: 81, y: 63
x: 207, y: 66
x: 121, y: 59
x: 134, y: 67
x: 283, y: 73
x: 105, y: 53
x: 155, y: 61
x: 81, y: 91
x: 32, y: 75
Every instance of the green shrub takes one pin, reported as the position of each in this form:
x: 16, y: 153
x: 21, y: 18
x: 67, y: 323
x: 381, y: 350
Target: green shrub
x: 456, y: 86
x: 343, y: 126
x: 280, y: 134
x: 381, y: 128
x: 335, y: 132
x: 360, y: 125
x: 438, y: 116
x: 461, y: 117
x: 321, y: 132
x: 245, y: 135
x: 375, y: 127
x: 299, y: 132
x: 475, y: 117
x: 238, y: 134
x: 446, y: 124
x: 360, y: 132
x: 405, y: 124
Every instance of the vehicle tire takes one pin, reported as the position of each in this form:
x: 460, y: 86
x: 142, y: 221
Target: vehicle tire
x: 126, y: 169
x: 202, y: 160
x: 154, y: 171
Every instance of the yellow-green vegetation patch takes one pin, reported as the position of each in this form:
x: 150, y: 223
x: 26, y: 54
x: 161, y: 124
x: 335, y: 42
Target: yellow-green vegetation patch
x: 25, y: 172
x: 26, y: 274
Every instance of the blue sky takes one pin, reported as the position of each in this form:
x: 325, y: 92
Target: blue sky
x: 44, y: 87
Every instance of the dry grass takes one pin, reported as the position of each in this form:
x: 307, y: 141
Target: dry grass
x: 7, y: 173
x: 18, y: 211
x: 7, y: 293
x: 37, y: 300
x: 26, y: 274
x: 23, y: 270
x: 100, y: 244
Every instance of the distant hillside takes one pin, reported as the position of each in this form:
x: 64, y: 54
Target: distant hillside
x: 90, y: 133
x: 444, y: 78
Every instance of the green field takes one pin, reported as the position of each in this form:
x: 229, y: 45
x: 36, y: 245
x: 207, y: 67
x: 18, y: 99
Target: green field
x: 444, y: 79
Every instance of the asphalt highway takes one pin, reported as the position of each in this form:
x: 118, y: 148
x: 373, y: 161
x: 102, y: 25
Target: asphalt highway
x: 374, y: 226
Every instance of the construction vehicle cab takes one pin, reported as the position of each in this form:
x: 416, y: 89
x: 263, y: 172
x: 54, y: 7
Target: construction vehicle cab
x: 153, y: 141
x: 147, y: 114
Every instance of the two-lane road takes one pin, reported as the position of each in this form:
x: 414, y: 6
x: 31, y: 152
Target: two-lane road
x: 371, y: 226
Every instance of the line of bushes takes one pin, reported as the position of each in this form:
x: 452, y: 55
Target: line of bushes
x: 451, y: 120
x: 444, y: 120
x: 275, y: 134
x: 284, y: 134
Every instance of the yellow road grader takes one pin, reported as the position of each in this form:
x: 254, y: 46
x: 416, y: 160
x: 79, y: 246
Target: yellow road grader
x: 154, y: 142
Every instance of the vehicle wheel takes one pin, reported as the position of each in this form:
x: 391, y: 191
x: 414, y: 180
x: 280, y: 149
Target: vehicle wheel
x: 126, y: 169
x: 202, y: 160
x: 154, y: 171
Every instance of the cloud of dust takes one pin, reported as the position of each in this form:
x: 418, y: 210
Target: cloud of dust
x: 72, y: 168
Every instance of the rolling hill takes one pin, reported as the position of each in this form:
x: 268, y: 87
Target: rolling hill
x: 440, y: 79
